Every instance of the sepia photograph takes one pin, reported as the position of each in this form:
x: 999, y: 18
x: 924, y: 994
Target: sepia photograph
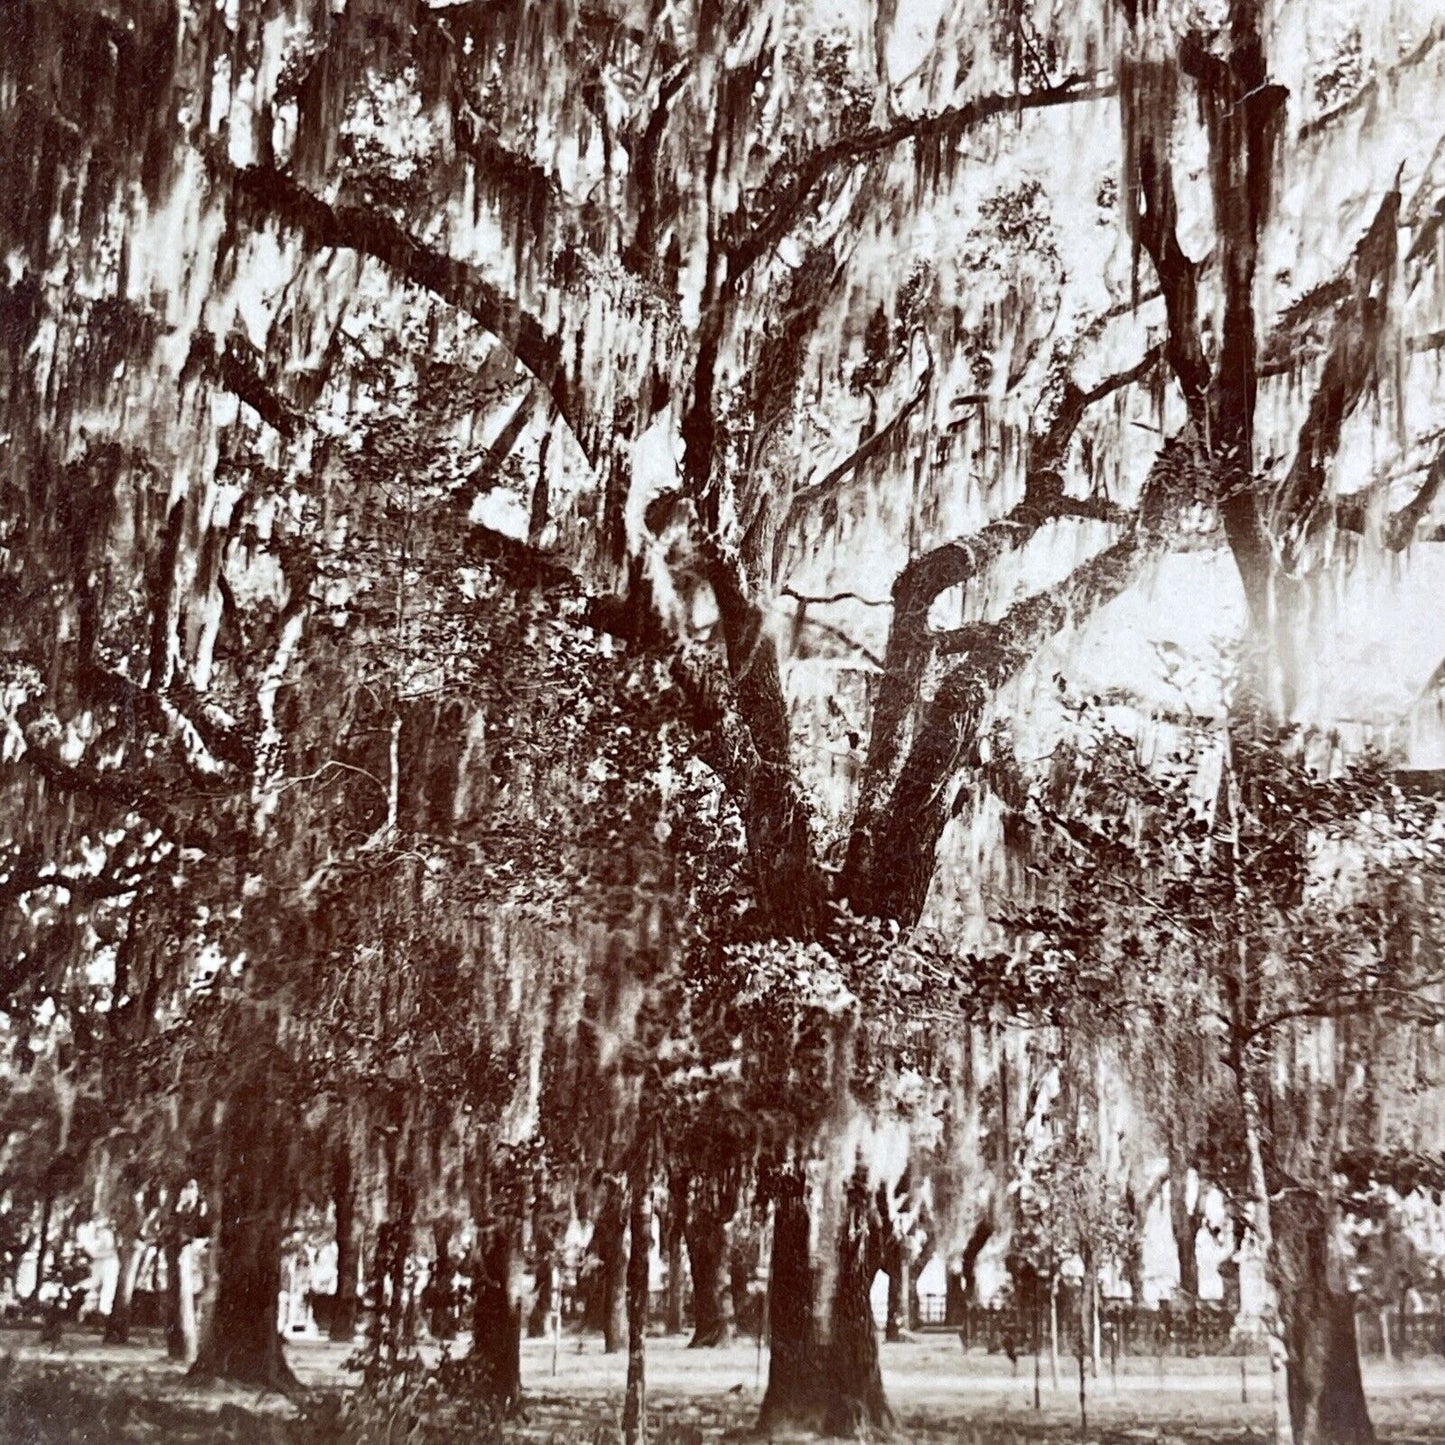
x: 722, y: 721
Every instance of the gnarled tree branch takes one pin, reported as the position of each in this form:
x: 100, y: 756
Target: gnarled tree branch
x: 911, y: 643
x: 790, y: 188
x: 263, y: 194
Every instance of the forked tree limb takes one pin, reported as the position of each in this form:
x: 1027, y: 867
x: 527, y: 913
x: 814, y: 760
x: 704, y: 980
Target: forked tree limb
x: 889, y: 870
x: 910, y: 642
x: 1147, y: 92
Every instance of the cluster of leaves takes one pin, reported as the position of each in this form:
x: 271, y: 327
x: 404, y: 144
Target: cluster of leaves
x: 1066, y: 1206
x: 1231, y: 904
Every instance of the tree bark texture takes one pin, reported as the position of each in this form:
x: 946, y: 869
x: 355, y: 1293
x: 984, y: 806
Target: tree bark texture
x: 241, y: 1341
x: 796, y: 1378
x: 856, y: 1405
x: 496, y: 1354
x: 707, y: 1247
x: 1326, y: 1395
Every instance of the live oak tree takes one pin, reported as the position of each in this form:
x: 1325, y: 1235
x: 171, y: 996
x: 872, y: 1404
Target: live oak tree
x: 636, y: 265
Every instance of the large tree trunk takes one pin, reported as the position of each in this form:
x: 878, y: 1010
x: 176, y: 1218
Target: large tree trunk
x: 117, y: 1322
x: 1326, y: 1394
x: 796, y: 1378
x: 609, y: 1244
x: 497, y: 1318
x: 856, y: 1405
x: 241, y: 1341
x: 707, y: 1248
x: 634, y: 1405
x: 343, y: 1194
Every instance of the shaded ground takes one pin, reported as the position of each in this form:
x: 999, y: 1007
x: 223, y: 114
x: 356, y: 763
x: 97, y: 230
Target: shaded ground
x: 91, y: 1394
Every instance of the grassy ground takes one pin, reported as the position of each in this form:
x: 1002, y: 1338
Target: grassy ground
x: 84, y: 1393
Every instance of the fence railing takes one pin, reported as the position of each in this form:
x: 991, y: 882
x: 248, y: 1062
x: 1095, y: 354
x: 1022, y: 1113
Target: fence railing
x: 1205, y: 1328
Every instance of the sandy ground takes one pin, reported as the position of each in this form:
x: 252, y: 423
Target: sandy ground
x: 938, y: 1392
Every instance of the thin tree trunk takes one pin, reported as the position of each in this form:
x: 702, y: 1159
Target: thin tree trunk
x: 857, y: 1405
x: 187, y: 1332
x: 1094, y: 1340
x: 343, y: 1195
x: 399, y: 1237
x: 175, y: 1338
x: 441, y: 1323
x: 634, y: 1407
x: 1083, y: 1389
x: 955, y: 1300
x: 1184, y: 1222
x: 739, y: 1274
x: 388, y: 1281
x: 898, y: 1291
x: 241, y: 1341
x: 1263, y: 1223
x: 1037, y: 1333
x: 676, y: 1245
x: 497, y: 1318
x: 1134, y: 1252
x: 42, y: 1245
x: 1082, y: 1351
x: 1054, y: 1333
x: 796, y: 1379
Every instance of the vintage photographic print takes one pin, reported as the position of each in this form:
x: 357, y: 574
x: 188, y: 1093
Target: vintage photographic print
x: 722, y: 720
